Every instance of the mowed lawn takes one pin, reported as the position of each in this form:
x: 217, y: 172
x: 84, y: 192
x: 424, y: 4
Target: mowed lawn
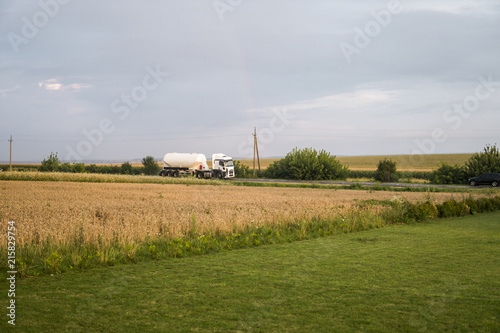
x: 436, y: 276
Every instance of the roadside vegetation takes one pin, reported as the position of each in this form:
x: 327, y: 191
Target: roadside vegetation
x: 487, y: 161
x: 76, y: 226
x: 310, y: 164
x: 387, y: 171
x: 307, y: 164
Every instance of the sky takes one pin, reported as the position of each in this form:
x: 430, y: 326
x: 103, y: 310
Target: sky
x: 120, y: 79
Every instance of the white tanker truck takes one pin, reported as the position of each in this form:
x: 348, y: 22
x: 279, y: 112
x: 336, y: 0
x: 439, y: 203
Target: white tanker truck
x: 175, y: 164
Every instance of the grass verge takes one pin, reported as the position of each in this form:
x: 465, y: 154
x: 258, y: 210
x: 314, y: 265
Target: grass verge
x: 437, y: 276
x: 106, y: 178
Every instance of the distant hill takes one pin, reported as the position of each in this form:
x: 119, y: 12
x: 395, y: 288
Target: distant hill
x: 404, y: 162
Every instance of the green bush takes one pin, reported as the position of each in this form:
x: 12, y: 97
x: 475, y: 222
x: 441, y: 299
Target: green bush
x: 91, y: 168
x: 78, y: 168
x: 242, y: 171
x: 453, y: 208
x: 362, y: 173
x: 422, y: 211
x: 126, y: 168
x: 449, y: 174
x: 307, y: 164
x: 387, y: 171
x: 150, y: 165
x: 484, y: 162
x: 50, y: 163
x: 65, y: 167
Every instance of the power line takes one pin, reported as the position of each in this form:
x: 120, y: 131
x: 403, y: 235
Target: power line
x: 115, y: 139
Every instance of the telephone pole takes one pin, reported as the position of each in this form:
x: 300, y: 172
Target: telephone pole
x: 255, y: 150
x: 10, y: 152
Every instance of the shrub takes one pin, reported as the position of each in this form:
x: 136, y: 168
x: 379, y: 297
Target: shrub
x: 449, y: 174
x: 115, y: 169
x: 126, y: 168
x: 453, y: 208
x: 51, y: 163
x: 422, y: 211
x: 92, y: 168
x: 362, y: 173
x: 65, y: 167
x: 150, y: 165
x: 242, y: 171
x: 78, y: 168
x: 307, y: 164
x: 484, y: 162
x: 53, y: 262
x: 386, y: 171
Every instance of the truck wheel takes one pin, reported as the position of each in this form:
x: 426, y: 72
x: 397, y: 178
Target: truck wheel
x: 219, y: 175
x: 494, y: 184
x: 169, y: 173
x: 472, y: 183
x: 199, y: 175
x: 175, y: 174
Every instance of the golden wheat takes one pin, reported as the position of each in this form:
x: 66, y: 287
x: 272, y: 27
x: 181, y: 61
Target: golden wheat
x: 132, y: 212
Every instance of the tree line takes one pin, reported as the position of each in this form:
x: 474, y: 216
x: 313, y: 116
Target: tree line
x: 53, y: 164
x: 310, y: 164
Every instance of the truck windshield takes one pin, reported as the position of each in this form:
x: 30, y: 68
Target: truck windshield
x: 230, y: 163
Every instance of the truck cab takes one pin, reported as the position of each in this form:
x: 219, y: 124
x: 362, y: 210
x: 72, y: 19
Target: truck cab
x: 224, y: 164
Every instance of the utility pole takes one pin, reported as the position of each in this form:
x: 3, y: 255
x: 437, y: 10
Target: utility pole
x: 11, y: 152
x: 255, y: 150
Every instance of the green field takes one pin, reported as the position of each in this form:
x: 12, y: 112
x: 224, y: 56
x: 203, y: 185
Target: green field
x: 437, y: 276
x: 405, y: 162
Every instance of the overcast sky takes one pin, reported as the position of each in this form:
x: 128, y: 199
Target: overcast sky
x: 122, y: 79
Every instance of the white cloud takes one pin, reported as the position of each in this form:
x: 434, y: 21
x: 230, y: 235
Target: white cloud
x: 361, y: 100
x: 54, y: 84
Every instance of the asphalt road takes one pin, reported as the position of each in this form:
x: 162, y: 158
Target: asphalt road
x: 324, y: 182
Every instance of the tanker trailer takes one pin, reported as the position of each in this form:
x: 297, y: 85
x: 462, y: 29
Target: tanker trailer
x: 175, y: 164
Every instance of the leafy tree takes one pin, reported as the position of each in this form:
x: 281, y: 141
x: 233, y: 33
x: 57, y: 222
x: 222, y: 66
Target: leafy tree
x: 115, y: 169
x: 387, y: 171
x: 485, y: 162
x: 307, y: 164
x: 150, y: 165
x: 449, y: 174
x: 65, y: 167
x: 78, y: 168
x: 242, y: 171
x: 126, y: 168
x: 51, y: 163
x: 92, y: 168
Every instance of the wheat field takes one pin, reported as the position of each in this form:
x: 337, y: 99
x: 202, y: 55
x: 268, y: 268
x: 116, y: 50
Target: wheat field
x: 133, y: 212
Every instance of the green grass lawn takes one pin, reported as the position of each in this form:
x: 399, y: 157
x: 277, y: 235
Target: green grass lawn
x: 437, y: 276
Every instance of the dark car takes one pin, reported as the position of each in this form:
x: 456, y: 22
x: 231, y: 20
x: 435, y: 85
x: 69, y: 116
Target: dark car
x: 485, y: 178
